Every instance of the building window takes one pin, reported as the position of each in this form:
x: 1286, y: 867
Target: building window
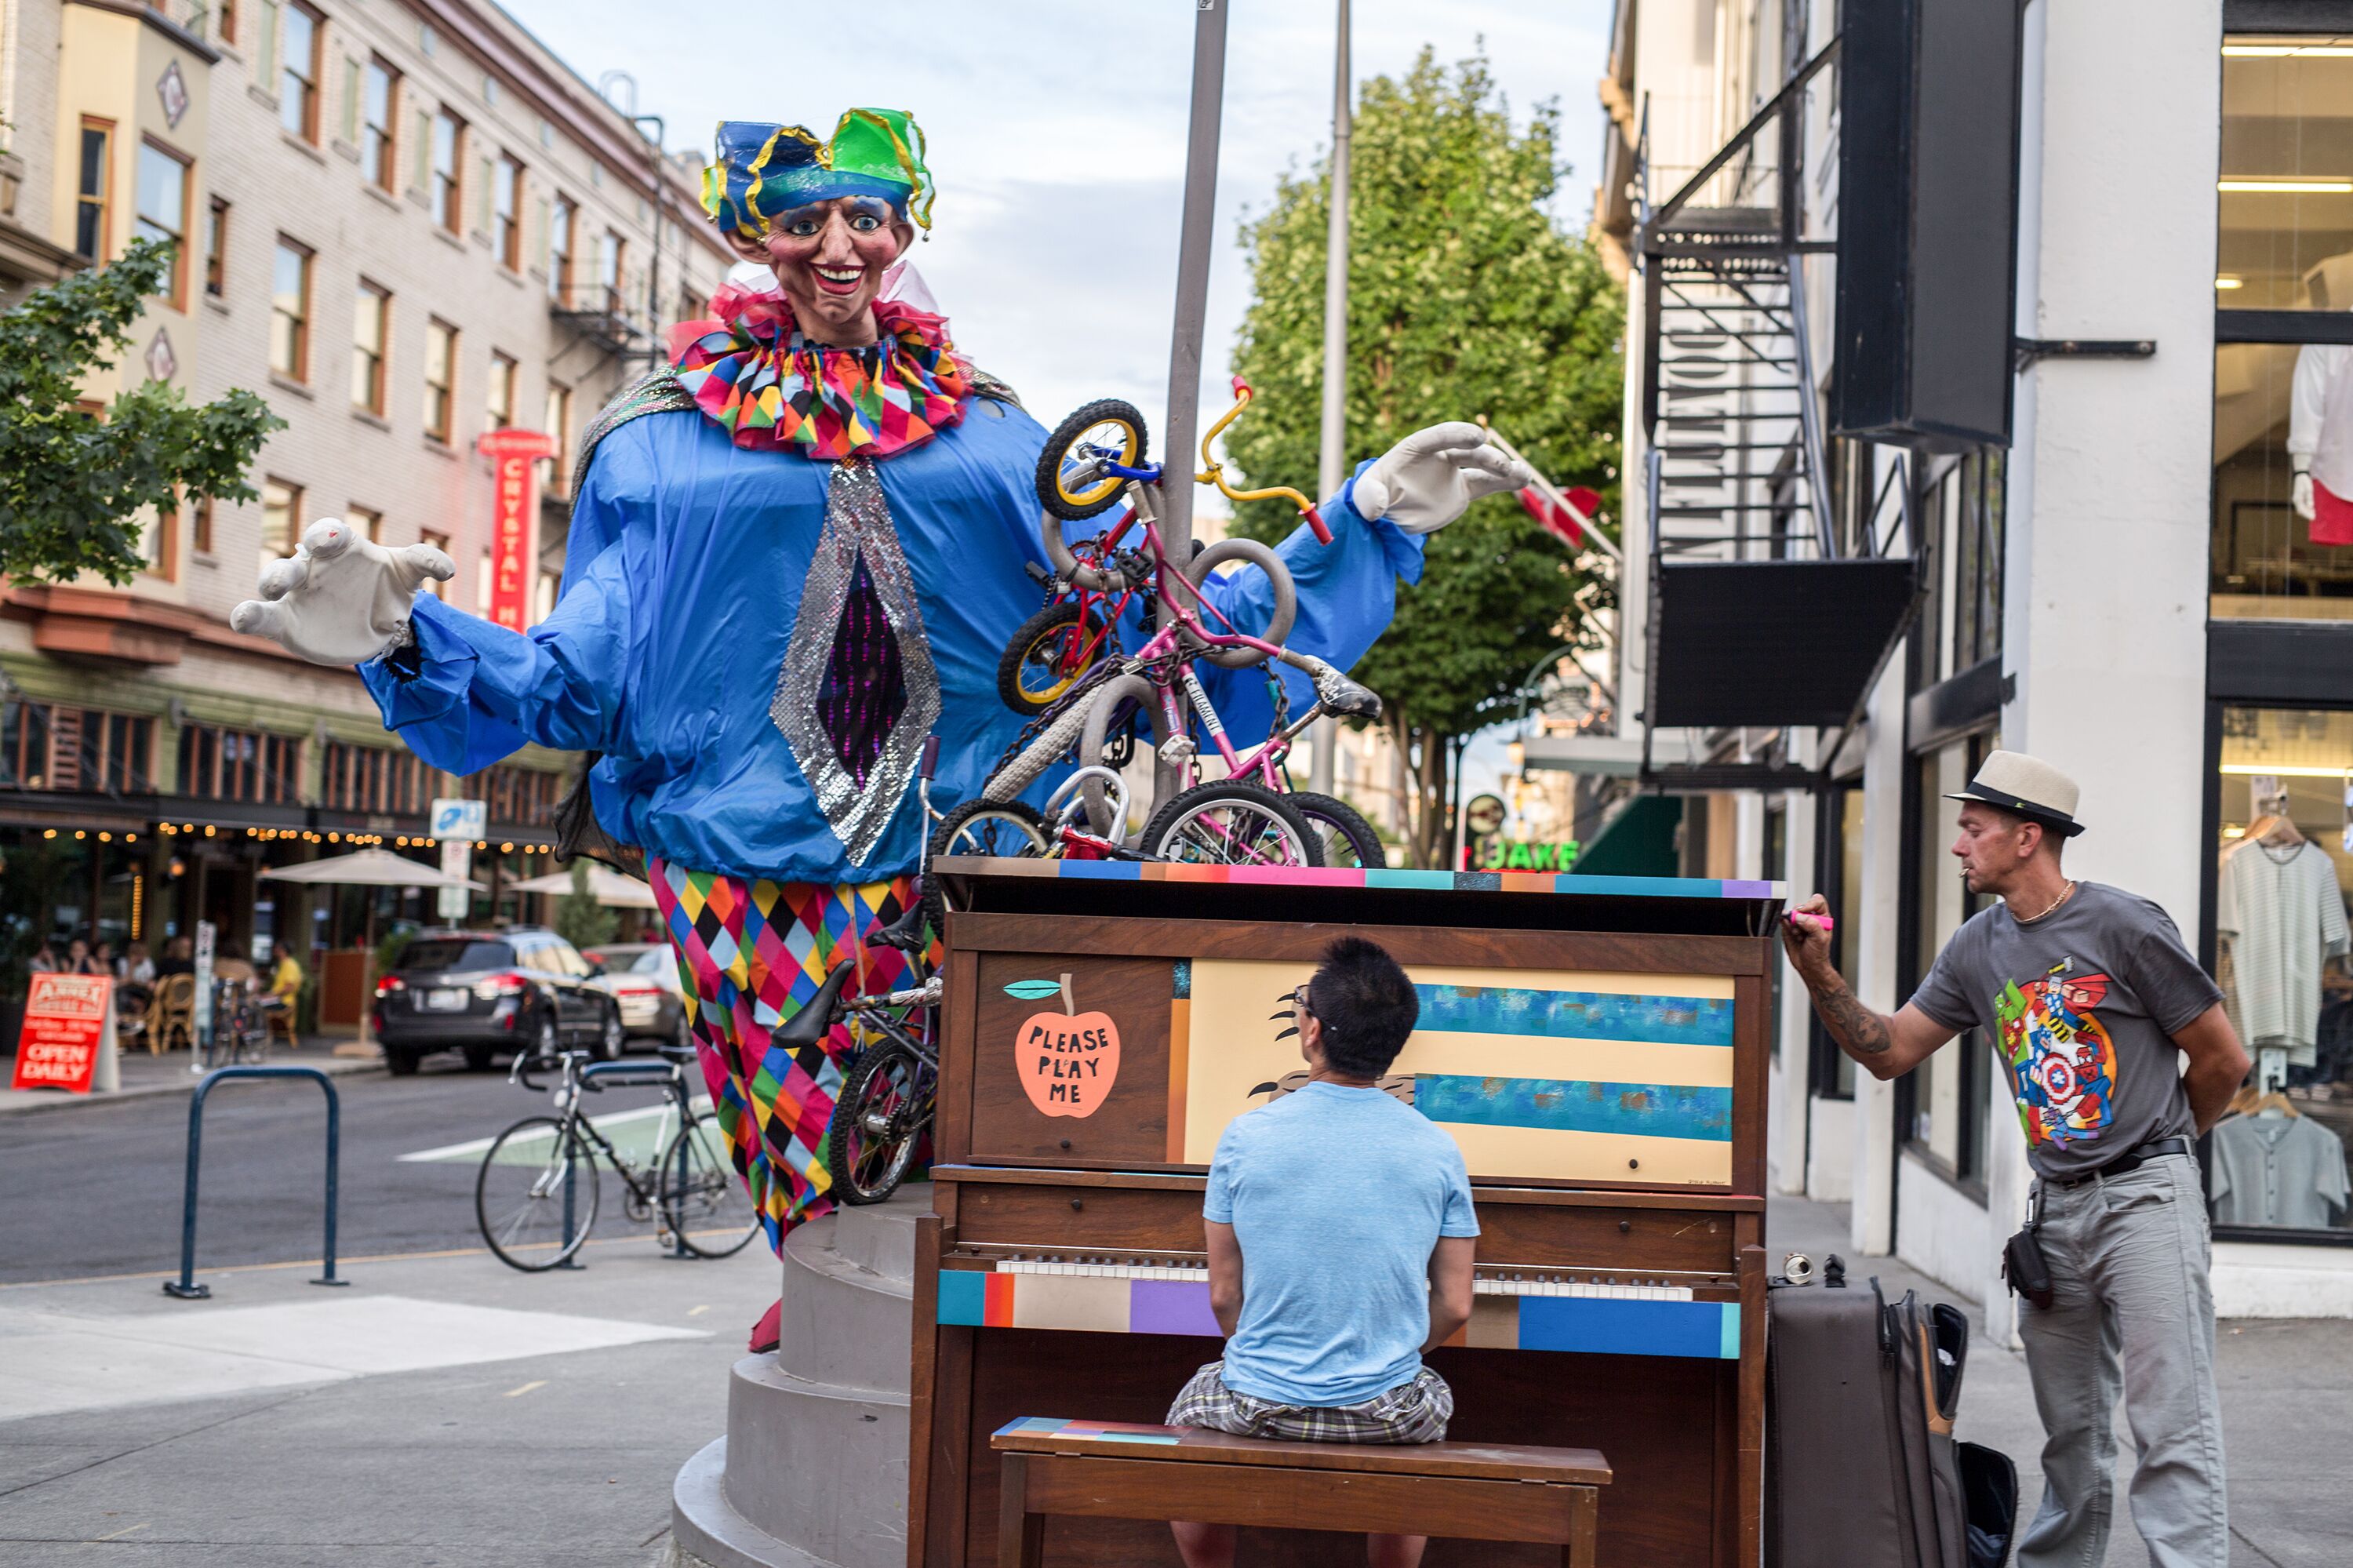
x: 1839, y: 836
x: 371, y: 329
x: 379, y: 100
x: 375, y: 779
x: 45, y: 747
x: 200, y: 526
x: 93, y: 201
x: 516, y: 797
x: 24, y: 744
x: 506, y: 212
x: 289, y: 311
x: 220, y: 764
x: 367, y: 520
x: 265, y: 44
x: 438, y: 587
x: 500, y: 403
x: 227, y: 9
x: 440, y: 378
x: 162, y: 214
x: 2276, y: 1161
x: 559, y: 428
x: 1947, y: 1098
x: 216, y: 249
x: 298, y: 77
x: 162, y: 545
x: 449, y: 192
x: 610, y: 247
x: 561, y: 226
x: 281, y: 519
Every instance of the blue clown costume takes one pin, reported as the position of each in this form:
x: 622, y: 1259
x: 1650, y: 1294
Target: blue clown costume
x: 760, y: 621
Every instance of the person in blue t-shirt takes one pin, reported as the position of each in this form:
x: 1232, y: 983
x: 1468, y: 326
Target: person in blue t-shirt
x: 1341, y: 1232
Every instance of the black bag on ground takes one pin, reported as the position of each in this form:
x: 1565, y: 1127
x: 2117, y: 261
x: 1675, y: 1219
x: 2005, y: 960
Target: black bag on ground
x: 1859, y: 1461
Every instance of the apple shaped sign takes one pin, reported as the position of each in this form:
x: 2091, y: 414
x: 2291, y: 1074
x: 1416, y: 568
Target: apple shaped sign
x: 1068, y: 1059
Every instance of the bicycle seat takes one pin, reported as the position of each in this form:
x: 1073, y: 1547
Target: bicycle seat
x: 810, y: 1026
x: 905, y: 933
x: 1345, y: 697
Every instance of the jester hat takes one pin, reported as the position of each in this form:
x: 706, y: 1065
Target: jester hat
x: 763, y: 171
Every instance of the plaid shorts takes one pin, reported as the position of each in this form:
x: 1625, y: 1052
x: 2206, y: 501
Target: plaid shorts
x: 1413, y: 1412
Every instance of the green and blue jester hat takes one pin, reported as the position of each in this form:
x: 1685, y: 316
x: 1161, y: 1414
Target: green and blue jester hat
x: 763, y: 171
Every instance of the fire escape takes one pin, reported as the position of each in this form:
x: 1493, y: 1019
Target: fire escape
x: 1774, y: 599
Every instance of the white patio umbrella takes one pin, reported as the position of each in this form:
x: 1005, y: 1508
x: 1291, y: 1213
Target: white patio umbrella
x: 605, y: 885
x: 370, y: 868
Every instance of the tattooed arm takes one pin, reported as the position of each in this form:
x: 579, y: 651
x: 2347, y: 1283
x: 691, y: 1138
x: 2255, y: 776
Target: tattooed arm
x: 1886, y: 1046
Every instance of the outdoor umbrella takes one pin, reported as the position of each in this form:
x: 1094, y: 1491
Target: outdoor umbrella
x: 605, y: 885
x: 370, y: 868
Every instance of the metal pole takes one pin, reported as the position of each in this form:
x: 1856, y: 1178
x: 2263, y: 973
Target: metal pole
x: 1192, y: 306
x: 186, y: 1288
x: 334, y: 1163
x: 1331, y: 468
x: 570, y: 1164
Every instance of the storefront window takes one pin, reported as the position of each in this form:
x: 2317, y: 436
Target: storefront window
x: 2286, y: 191
x: 1950, y: 1104
x: 2277, y: 1161
x: 2283, y: 536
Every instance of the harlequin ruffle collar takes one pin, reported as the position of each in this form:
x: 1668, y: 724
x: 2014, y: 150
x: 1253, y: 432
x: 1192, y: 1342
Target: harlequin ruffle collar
x: 751, y: 372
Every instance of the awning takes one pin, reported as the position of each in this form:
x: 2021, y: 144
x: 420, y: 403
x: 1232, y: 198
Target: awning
x: 1640, y: 841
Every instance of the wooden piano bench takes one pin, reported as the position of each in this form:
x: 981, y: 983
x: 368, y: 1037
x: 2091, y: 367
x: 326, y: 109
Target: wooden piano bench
x: 1471, y: 1491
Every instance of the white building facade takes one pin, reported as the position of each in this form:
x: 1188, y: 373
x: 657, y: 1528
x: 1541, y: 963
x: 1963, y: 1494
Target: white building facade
x: 2137, y: 587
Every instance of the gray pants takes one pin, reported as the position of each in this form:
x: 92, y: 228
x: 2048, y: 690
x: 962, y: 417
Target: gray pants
x: 2128, y: 1258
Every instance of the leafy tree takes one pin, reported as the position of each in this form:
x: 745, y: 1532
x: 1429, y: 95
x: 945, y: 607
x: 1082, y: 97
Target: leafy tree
x: 72, y: 487
x: 1464, y: 298
x: 579, y: 918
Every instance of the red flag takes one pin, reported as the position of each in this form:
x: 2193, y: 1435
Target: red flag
x: 1563, y: 523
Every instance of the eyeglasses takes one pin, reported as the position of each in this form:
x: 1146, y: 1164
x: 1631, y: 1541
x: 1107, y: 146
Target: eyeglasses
x: 1299, y: 1001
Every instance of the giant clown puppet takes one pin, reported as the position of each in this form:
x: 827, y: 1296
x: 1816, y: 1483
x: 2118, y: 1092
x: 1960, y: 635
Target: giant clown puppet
x: 794, y: 556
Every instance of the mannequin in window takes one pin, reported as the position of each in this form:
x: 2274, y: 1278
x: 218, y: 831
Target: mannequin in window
x: 2320, y: 417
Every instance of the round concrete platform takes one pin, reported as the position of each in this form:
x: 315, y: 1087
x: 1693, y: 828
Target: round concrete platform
x: 813, y: 1470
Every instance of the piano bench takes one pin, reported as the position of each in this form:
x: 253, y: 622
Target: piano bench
x: 1474, y: 1492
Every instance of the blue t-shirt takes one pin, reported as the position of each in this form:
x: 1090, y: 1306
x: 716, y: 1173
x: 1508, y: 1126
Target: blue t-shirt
x: 1339, y: 1197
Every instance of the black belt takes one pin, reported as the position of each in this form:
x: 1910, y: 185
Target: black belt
x: 2156, y: 1148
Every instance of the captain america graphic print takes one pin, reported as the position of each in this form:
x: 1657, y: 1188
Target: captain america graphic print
x: 2063, y: 1065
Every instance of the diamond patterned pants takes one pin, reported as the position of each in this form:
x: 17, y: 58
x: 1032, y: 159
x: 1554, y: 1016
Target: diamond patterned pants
x: 751, y: 953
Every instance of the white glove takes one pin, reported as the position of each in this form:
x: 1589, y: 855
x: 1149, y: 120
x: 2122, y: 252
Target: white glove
x: 2300, y: 494
x: 341, y: 598
x: 1431, y: 477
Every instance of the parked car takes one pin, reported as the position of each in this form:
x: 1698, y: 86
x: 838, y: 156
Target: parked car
x: 487, y: 993
x: 643, y: 976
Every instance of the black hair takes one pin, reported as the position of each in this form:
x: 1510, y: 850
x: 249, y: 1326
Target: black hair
x: 1366, y: 1004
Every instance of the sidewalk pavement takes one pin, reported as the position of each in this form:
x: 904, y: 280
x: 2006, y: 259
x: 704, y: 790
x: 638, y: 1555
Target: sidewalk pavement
x: 443, y: 1412
x: 170, y: 1074
x: 2287, y: 1410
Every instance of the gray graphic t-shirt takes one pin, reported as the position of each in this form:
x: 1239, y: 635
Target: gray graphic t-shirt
x: 2081, y: 1005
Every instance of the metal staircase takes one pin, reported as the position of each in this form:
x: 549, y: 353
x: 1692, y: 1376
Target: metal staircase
x: 1770, y: 602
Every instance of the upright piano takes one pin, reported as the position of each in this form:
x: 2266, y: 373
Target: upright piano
x: 1595, y: 1045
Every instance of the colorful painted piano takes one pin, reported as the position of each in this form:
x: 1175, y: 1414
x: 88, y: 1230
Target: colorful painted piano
x: 1598, y: 1045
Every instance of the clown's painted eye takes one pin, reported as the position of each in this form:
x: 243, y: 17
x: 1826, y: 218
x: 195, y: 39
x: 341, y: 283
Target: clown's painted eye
x: 865, y: 223
x: 803, y: 228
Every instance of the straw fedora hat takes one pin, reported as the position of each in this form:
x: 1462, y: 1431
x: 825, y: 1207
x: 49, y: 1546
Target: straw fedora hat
x: 2028, y: 786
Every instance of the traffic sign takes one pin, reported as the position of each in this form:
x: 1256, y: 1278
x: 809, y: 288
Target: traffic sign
x: 468, y: 820
x: 1484, y: 815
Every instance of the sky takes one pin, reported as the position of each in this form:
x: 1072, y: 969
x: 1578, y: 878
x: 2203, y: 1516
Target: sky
x: 1057, y: 137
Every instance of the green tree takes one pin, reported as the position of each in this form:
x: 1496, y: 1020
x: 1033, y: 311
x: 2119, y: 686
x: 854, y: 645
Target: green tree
x: 1464, y: 298
x: 579, y: 918
x: 71, y: 487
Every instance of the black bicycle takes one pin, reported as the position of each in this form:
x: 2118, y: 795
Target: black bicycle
x: 536, y: 1196
x: 888, y: 1091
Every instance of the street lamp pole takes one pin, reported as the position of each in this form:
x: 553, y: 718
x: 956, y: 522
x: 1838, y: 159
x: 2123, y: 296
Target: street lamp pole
x: 1331, y: 470
x: 1192, y: 306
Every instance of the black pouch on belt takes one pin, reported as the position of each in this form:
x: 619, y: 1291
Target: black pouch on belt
x: 2022, y: 1264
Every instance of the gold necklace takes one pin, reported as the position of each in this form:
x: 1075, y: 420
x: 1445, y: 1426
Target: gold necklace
x: 2054, y: 904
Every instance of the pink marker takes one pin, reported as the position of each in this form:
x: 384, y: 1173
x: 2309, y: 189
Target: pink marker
x: 1824, y: 921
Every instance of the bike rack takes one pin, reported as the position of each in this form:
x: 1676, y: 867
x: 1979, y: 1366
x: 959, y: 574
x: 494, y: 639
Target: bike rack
x: 629, y: 1075
x: 186, y: 1288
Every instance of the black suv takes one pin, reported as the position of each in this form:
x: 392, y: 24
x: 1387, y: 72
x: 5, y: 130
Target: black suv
x: 482, y: 993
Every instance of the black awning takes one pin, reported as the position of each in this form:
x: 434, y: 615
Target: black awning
x: 1773, y: 642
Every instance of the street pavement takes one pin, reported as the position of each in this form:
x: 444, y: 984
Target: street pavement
x: 446, y: 1411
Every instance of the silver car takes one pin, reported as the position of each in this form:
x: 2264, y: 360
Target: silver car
x: 643, y: 978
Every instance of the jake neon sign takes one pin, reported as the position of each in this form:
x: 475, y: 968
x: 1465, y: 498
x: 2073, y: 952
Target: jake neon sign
x: 1524, y: 854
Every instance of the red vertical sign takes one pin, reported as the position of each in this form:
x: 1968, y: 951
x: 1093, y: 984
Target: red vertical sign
x: 65, y: 1029
x: 514, y: 520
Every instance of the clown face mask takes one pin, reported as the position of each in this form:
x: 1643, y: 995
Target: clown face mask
x: 829, y: 257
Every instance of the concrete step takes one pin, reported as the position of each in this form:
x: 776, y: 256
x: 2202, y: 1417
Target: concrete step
x: 820, y: 1467
x: 881, y: 1237
x: 841, y: 1324
x: 705, y: 1530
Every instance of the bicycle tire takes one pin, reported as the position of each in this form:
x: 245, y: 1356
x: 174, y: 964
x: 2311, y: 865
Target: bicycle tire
x: 1020, y: 655
x: 535, y: 1207
x: 1340, y: 825
x: 870, y: 1141
x: 1286, y: 597
x: 709, y: 1199
x: 1168, y: 830
x: 1099, y: 498
x: 1037, y: 756
x: 1095, y: 738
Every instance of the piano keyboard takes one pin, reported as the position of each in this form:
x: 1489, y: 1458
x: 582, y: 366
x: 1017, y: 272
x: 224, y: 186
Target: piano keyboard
x: 1511, y: 1309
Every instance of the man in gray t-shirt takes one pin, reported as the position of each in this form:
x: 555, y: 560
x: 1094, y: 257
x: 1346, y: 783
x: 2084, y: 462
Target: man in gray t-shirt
x: 2094, y: 1005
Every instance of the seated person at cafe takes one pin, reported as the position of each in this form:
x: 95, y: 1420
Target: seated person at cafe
x: 285, y: 977
x: 1340, y: 1234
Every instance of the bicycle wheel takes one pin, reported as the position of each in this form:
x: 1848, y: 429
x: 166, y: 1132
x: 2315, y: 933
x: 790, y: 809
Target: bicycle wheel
x: 1008, y: 828
x: 519, y: 1196
x: 1345, y: 838
x: 1228, y: 822
x: 1042, y: 660
x: 1284, y: 607
x: 871, y: 1139
x: 1107, y: 428
x: 703, y: 1202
